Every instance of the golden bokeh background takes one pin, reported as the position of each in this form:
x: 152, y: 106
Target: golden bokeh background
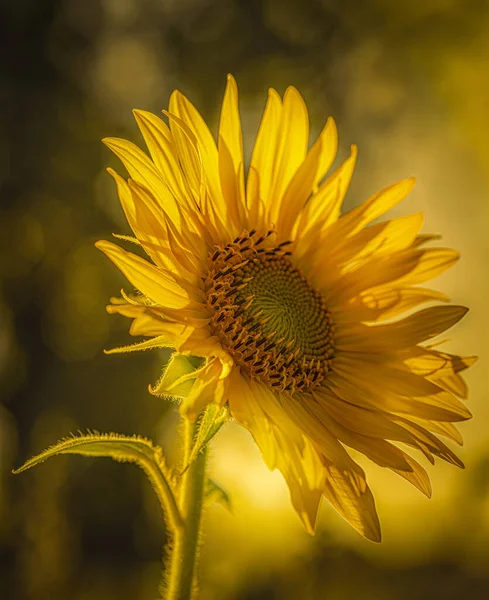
x: 408, y: 82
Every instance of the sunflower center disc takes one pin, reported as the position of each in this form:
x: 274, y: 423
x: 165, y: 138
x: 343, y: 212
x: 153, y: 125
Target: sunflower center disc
x: 266, y: 314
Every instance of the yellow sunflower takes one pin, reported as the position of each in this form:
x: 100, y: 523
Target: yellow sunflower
x: 298, y: 311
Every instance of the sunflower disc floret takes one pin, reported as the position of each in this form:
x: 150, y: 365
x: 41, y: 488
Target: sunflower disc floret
x: 267, y: 315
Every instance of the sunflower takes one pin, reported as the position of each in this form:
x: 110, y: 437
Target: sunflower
x: 297, y: 312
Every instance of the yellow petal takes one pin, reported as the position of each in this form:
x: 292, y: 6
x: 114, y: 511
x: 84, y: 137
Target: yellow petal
x: 376, y: 206
x: 230, y: 124
x: 369, y: 275
x: 291, y: 148
x: 148, y: 321
x: 142, y: 170
x: 376, y: 241
x: 328, y: 140
x: 354, y: 503
x: 186, y: 111
x: 418, y: 327
x: 403, y: 268
x: 305, y: 181
x: 265, y: 149
x: 455, y: 384
x: 333, y: 234
x: 126, y: 200
x: 282, y: 444
x: 448, y: 430
x: 316, y: 430
x: 429, y: 443
x: 376, y: 448
x: 154, y: 283
x: 323, y: 209
x: 254, y: 204
x: 387, y: 302
x: 160, y: 144
x: 189, y: 158
x: 441, y: 406
x: 417, y: 477
x: 147, y: 220
x: 370, y: 422
x: 202, y: 343
x: 233, y: 190
x: 345, y: 485
x: 160, y: 238
x: 298, y: 191
x: 432, y: 363
x: 426, y: 237
x: 231, y: 151
x: 404, y: 389
x: 431, y: 263
x: 144, y: 323
x: 364, y: 442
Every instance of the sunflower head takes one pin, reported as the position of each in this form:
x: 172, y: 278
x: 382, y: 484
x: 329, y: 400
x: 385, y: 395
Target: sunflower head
x: 297, y: 311
x: 273, y: 323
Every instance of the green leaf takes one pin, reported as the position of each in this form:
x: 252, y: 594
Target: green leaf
x: 134, y: 449
x: 215, y: 493
x: 178, y: 377
x: 211, y: 421
x: 119, y: 447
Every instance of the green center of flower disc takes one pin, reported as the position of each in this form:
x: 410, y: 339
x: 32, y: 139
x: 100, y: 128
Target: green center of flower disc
x: 267, y: 315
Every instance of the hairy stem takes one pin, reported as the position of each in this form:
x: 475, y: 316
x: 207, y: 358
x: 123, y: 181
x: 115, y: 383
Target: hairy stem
x: 165, y: 495
x: 182, y: 575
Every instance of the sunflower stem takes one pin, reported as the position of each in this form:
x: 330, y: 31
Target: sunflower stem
x: 182, y: 573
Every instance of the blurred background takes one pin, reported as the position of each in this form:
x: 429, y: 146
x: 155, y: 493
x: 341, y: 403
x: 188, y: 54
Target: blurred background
x: 408, y: 82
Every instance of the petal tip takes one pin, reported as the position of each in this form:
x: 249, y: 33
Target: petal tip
x: 461, y: 310
x: 272, y: 93
x: 292, y: 90
x: 331, y: 127
x: 374, y: 534
x: 139, y: 115
x: 308, y: 527
x: 110, y: 142
x: 103, y: 245
x: 176, y: 96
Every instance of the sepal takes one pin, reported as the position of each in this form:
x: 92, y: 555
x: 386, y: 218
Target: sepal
x: 178, y: 378
x: 213, y: 418
x: 215, y: 493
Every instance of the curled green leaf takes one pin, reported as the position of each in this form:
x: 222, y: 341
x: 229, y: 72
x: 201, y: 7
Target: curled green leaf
x: 121, y: 448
